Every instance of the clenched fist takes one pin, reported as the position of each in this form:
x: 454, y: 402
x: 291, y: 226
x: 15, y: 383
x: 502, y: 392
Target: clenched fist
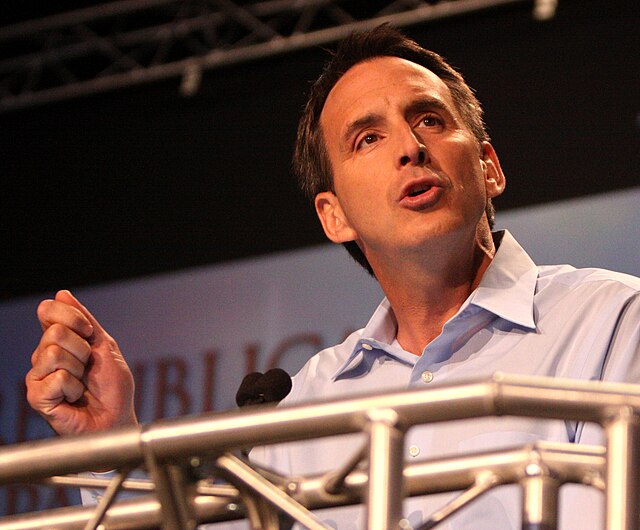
x: 79, y: 381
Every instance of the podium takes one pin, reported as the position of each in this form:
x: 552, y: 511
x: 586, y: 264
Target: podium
x: 196, y: 474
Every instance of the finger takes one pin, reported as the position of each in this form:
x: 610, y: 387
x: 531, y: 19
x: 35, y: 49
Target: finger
x: 45, y: 395
x: 53, y: 358
x: 66, y: 297
x: 68, y: 340
x: 56, y: 312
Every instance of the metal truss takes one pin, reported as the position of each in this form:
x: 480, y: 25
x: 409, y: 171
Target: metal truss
x: 197, y: 477
x: 130, y: 42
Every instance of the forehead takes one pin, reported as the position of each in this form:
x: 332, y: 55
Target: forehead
x: 377, y: 83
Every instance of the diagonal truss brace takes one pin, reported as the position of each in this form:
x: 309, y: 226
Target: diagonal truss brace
x: 175, y: 445
x: 130, y: 42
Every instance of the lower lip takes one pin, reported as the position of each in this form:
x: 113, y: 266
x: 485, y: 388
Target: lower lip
x: 424, y: 200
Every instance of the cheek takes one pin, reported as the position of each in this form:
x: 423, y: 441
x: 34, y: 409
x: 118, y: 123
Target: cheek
x: 365, y: 203
x: 360, y: 183
x: 469, y: 171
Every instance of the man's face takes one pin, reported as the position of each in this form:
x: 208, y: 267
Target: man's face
x: 405, y: 167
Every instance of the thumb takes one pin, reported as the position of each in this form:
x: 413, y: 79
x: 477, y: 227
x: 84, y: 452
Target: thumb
x: 98, y: 332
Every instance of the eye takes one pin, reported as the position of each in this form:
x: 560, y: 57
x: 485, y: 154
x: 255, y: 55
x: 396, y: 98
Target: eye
x: 367, y: 139
x: 430, y: 120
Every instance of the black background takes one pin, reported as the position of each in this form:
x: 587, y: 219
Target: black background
x: 142, y: 180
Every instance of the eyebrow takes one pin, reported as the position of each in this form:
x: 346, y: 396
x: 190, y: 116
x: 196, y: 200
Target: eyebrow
x: 428, y: 103
x: 364, y: 122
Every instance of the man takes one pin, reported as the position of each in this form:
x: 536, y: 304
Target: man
x: 393, y: 151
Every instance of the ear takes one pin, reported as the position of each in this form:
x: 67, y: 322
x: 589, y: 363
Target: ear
x: 494, y: 179
x: 335, y: 224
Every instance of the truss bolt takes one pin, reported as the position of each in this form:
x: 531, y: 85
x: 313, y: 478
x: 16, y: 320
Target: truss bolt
x: 533, y: 470
x: 232, y: 506
x: 544, y: 9
x: 191, y: 79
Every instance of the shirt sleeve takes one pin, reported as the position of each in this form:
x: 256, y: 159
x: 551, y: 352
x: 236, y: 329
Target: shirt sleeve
x: 622, y: 362
x: 622, y: 365
x: 92, y: 496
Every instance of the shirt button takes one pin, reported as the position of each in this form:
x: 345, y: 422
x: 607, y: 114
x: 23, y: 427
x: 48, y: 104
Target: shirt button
x: 367, y: 346
x: 427, y: 376
x: 414, y: 451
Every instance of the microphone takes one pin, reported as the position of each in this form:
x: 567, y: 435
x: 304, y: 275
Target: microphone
x: 257, y: 388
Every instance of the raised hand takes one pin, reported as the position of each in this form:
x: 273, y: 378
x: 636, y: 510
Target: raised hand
x: 79, y: 380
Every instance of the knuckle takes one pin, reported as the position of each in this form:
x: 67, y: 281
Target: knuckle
x: 51, y: 355
x: 28, y: 381
x: 31, y: 398
x: 55, y: 355
x: 57, y: 332
x: 61, y: 378
x: 77, y: 321
x: 34, y: 391
x: 113, y: 345
x: 35, y: 356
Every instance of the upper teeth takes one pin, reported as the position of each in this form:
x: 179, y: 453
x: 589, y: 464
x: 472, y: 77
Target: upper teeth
x: 417, y: 191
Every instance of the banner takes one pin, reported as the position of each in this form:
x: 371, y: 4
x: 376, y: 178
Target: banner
x: 191, y: 336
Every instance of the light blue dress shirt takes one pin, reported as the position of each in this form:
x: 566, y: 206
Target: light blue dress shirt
x: 555, y: 321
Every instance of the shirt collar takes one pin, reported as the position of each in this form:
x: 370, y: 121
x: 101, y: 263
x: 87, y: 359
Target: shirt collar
x: 377, y: 338
x: 508, y: 285
x: 506, y: 289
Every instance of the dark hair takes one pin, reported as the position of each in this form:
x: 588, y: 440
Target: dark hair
x: 311, y: 161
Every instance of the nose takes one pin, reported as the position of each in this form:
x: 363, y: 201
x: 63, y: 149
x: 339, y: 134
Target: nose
x: 412, y: 150
x: 417, y: 159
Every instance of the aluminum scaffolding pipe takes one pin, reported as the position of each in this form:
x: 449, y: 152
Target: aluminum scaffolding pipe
x: 168, y: 448
x: 216, y: 433
x: 567, y: 462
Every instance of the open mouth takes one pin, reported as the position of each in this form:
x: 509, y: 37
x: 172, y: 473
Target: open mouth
x: 421, y: 194
x: 419, y: 190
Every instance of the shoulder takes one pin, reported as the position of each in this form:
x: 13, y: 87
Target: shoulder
x: 318, y: 372
x: 570, y: 302
x: 587, y: 281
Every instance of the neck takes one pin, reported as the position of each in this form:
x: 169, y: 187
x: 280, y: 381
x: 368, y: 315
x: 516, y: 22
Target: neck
x: 427, y: 291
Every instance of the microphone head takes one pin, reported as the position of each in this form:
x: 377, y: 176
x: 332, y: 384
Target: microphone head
x: 245, y: 392
x: 263, y: 388
x: 275, y: 385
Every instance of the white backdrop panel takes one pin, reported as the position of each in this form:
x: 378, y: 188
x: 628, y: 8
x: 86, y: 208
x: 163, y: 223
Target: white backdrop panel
x: 306, y: 299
